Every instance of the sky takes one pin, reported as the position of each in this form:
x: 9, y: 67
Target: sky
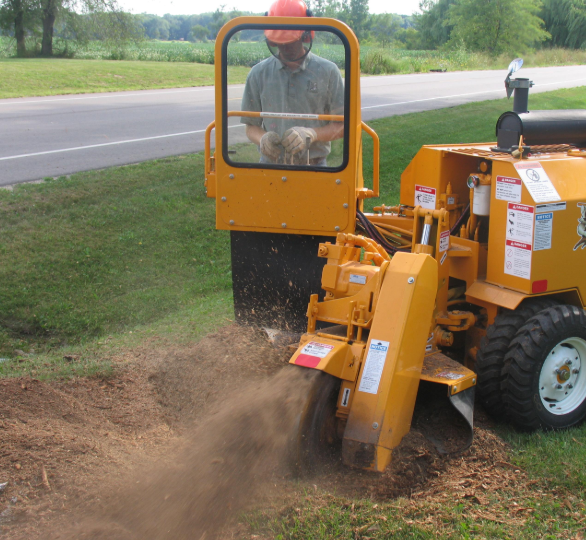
x: 189, y: 7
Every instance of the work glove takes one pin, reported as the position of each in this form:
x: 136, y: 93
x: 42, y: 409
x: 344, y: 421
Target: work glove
x: 270, y: 145
x: 295, y: 139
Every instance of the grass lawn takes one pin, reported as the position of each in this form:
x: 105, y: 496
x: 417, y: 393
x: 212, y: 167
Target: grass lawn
x: 55, y: 76
x: 95, y: 263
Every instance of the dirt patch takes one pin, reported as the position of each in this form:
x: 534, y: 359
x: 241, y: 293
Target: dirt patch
x: 180, y: 440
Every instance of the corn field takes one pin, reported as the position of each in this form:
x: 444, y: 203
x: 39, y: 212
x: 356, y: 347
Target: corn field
x: 373, y: 60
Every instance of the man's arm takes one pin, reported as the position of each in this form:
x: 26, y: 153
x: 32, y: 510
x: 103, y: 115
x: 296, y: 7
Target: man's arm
x: 254, y: 133
x: 329, y: 132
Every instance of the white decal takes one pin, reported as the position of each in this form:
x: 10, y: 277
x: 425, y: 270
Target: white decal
x: 550, y: 207
x: 520, y: 223
x: 543, y: 231
x: 319, y: 350
x: 346, y: 397
x: 537, y: 182
x: 451, y: 200
x: 449, y: 375
x: 518, y: 259
x: 425, y: 197
x: 373, y: 367
x: 444, y: 241
x: 428, y: 348
x: 444, y: 256
x: 356, y: 278
x: 508, y: 189
x: 581, y: 227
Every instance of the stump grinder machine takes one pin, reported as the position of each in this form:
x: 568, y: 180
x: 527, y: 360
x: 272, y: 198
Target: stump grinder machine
x: 475, y: 280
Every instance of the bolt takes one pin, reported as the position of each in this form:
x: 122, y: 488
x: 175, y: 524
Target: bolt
x: 338, y: 181
x: 224, y: 199
x: 375, y: 425
x: 575, y: 371
x: 336, y: 228
x: 284, y: 225
x: 454, y: 389
x: 231, y: 222
x: 284, y: 178
x: 231, y: 177
x: 559, y: 386
x: 411, y: 280
x: 568, y: 362
x: 473, y: 381
x: 345, y: 205
x: 570, y: 386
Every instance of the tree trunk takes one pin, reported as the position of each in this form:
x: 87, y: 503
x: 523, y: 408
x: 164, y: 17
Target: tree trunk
x: 49, y: 15
x: 18, y: 10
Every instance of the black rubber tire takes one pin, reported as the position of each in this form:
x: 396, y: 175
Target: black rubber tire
x: 523, y: 365
x: 318, y: 445
x: 490, y: 359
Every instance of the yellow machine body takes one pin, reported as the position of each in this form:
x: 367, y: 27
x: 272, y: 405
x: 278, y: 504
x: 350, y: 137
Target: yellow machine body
x: 477, y: 232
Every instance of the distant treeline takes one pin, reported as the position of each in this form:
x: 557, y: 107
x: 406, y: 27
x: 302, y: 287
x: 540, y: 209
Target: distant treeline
x: 488, y: 26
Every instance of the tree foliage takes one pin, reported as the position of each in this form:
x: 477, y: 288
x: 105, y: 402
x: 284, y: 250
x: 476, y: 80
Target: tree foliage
x: 565, y: 20
x: 496, y: 26
x: 432, y: 24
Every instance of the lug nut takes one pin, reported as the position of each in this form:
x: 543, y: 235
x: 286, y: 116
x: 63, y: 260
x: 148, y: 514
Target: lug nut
x: 570, y: 386
x: 559, y: 386
x: 575, y: 371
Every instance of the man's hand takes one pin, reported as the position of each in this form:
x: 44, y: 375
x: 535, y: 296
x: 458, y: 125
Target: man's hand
x: 270, y: 145
x: 295, y: 139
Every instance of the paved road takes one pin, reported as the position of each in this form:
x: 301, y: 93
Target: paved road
x: 53, y: 136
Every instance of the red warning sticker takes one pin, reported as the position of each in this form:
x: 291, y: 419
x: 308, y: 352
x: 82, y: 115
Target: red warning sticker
x: 425, y: 197
x: 312, y: 354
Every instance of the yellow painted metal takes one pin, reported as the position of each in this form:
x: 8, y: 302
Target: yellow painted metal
x: 339, y: 362
x: 382, y: 409
x: 440, y: 369
x: 308, y: 202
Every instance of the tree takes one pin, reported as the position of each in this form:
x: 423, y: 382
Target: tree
x: 384, y: 26
x: 16, y: 17
x: 496, y: 26
x: 565, y: 20
x: 432, y: 24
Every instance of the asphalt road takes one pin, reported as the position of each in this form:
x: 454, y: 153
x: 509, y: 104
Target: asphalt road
x: 58, y: 135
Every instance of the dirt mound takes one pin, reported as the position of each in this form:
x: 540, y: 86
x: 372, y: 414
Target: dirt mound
x: 196, y: 432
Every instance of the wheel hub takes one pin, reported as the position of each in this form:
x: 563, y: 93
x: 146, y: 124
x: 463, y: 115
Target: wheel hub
x: 561, y: 386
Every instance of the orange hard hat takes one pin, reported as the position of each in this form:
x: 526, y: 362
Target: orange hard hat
x: 288, y: 8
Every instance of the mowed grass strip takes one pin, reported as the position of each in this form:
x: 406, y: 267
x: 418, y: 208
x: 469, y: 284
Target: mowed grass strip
x: 103, y: 252
x: 54, y: 76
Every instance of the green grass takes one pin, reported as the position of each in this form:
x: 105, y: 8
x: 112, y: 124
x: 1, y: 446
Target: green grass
x: 55, y: 76
x: 104, y: 252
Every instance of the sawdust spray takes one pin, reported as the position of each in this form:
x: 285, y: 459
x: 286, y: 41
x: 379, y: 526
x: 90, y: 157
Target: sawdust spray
x: 221, y: 464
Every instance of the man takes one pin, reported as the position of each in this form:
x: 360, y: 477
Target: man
x: 293, y: 80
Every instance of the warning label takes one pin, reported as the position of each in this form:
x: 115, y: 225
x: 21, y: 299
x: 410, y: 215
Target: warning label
x: 357, y: 278
x: 537, y: 182
x: 373, y: 368
x: 543, y: 231
x: 312, y: 354
x: 508, y: 189
x: 444, y: 241
x: 520, y: 223
x: 518, y: 259
x: 425, y: 197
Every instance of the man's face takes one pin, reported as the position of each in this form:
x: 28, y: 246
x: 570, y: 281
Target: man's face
x: 290, y: 52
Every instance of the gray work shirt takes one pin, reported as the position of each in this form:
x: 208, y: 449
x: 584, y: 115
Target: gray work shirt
x: 315, y: 87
